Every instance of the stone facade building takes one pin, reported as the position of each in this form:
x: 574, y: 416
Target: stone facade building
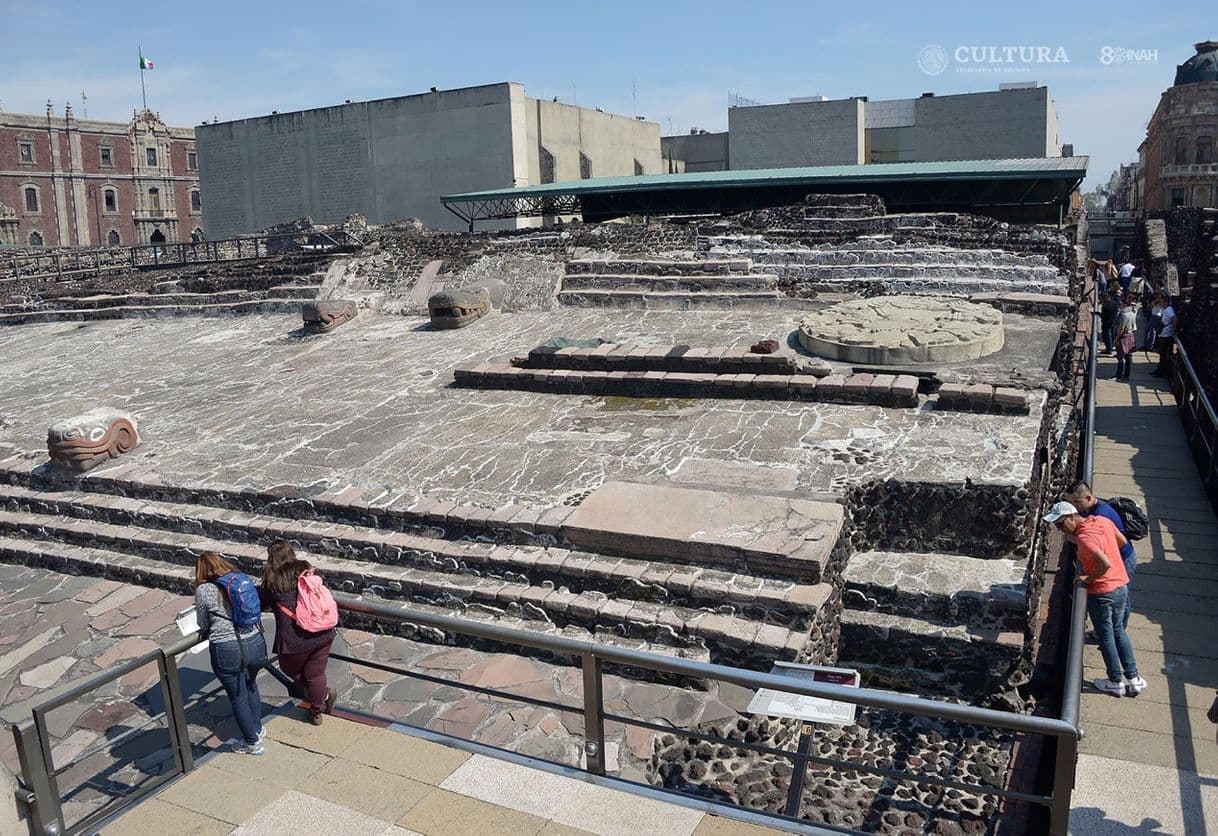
x: 393, y: 158
x: 71, y: 182
x: 1017, y: 121
x: 1176, y: 160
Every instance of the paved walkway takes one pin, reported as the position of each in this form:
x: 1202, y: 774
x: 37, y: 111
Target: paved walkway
x: 1150, y: 765
x: 349, y: 778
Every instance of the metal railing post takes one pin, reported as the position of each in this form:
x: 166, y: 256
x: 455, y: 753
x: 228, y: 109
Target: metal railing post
x: 1063, y: 785
x: 41, y: 798
x: 175, y: 713
x: 594, y: 714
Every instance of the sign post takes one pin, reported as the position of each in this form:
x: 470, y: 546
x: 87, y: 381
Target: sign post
x: 807, y: 710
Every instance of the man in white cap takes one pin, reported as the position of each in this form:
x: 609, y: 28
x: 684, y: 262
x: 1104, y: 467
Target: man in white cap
x: 1099, y: 553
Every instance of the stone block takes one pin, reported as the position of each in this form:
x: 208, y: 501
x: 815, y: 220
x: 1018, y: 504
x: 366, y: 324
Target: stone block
x: 857, y: 386
x: 980, y: 397
x: 1009, y: 399
x: 830, y: 387
x: 773, y: 385
x: 324, y: 315
x: 803, y: 386
x: 904, y: 390
x: 81, y: 443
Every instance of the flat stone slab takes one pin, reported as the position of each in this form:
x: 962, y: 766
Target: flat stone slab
x: 769, y: 534
x: 913, y: 583
x: 903, y: 329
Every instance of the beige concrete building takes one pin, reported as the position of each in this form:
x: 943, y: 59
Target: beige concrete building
x: 393, y: 158
x: 1177, y: 166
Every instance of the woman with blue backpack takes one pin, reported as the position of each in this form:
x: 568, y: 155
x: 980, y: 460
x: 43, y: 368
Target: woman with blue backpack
x: 230, y: 617
x: 305, y: 618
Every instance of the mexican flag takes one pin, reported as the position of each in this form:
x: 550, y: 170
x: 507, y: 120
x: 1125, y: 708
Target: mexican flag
x: 145, y: 64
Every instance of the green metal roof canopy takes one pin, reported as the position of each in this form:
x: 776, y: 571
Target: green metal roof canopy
x: 954, y: 184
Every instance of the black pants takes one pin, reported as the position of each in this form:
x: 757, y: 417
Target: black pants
x: 1163, y: 345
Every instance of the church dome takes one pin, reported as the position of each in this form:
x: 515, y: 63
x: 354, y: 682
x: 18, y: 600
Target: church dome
x: 1201, y: 67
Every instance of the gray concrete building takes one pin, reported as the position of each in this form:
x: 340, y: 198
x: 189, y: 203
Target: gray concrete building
x: 1017, y: 121
x: 393, y: 158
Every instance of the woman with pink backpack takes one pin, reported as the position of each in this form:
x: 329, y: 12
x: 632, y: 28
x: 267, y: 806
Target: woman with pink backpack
x: 305, y: 618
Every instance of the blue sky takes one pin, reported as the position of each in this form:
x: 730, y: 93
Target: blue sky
x: 232, y: 60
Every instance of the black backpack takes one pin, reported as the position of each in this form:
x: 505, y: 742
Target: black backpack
x: 1137, y: 524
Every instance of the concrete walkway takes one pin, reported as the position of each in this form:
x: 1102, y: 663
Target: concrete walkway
x: 1150, y: 765
x: 350, y: 778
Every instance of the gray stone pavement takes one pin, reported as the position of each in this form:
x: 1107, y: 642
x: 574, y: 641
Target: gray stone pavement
x: 1150, y: 765
x: 242, y: 401
x: 351, y: 778
x: 57, y: 628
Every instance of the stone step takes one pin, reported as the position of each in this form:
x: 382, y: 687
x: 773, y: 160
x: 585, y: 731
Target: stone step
x: 128, y: 568
x: 667, y: 358
x: 267, y: 305
x: 136, y: 300
x: 933, y: 286
x: 731, y: 640
x: 659, y: 267
x: 667, y: 301
x: 912, y: 654
x: 897, y: 391
x: 733, y: 283
x: 307, y: 291
x: 770, y: 600
x: 949, y: 587
x: 885, y: 252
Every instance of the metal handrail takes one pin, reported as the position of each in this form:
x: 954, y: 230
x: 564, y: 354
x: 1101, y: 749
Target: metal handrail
x: 1194, y: 405
x: 1196, y: 381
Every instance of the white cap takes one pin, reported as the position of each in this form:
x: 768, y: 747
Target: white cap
x: 1059, y: 510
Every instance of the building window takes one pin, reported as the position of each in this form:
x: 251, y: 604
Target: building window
x: 105, y: 156
x: 154, y: 200
x: 1181, y: 151
x: 1205, y: 150
x: 546, y: 164
x: 585, y: 166
x: 113, y: 238
x: 192, y: 161
x: 150, y: 155
x: 1177, y: 197
x: 35, y: 239
x: 25, y: 151
x: 196, y: 202
x: 110, y: 200
x: 638, y: 168
x: 31, y: 199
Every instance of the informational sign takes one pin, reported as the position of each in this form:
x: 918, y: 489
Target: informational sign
x: 188, y: 622
x: 810, y: 709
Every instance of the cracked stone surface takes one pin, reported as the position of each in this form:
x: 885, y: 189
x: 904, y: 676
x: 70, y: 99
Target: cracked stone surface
x: 888, y: 330
x: 241, y: 401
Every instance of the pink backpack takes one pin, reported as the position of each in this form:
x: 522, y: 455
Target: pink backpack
x: 315, y: 607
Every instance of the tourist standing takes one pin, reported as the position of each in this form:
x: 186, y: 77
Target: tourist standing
x: 226, y: 602
x: 1109, y: 308
x: 1125, y: 276
x: 1126, y: 337
x: 1165, y: 338
x: 1089, y: 505
x: 1103, y: 573
x: 303, y: 654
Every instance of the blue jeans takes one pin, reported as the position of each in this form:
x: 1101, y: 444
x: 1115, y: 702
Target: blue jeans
x: 1131, y: 563
x: 236, y: 666
x: 1107, y: 611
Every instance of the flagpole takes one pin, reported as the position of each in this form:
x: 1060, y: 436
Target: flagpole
x: 143, y: 93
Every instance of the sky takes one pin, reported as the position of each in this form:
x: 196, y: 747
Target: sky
x: 673, y: 62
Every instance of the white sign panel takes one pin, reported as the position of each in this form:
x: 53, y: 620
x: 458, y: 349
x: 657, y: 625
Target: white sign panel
x: 811, y: 709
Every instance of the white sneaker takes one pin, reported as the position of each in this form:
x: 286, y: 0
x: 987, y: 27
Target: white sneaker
x: 250, y: 749
x: 261, y: 734
x: 1136, y: 686
x: 1107, y: 686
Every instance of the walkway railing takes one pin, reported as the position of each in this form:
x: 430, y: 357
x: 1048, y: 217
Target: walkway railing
x: 1200, y: 422
x: 39, y: 772
x: 70, y: 264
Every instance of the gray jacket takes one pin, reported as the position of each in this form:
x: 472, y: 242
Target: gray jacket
x: 215, y: 616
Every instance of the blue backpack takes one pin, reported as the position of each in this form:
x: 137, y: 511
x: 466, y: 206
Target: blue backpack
x: 243, y: 597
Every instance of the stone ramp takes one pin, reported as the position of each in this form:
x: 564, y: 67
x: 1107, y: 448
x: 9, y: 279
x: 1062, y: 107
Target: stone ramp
x: 940, y: 623
x: 731, y: 599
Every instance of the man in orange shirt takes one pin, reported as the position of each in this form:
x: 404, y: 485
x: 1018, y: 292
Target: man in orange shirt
x: 1099, y: 552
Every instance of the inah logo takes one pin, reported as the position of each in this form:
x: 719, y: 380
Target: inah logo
x: 932, y: 60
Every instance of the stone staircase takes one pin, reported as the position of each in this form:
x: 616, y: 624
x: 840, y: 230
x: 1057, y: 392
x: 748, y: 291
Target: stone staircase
x: 667, y: 285
x: 880, y: 261
x: 933, y: 623
x: 551, y: 572
x: 280, y: 285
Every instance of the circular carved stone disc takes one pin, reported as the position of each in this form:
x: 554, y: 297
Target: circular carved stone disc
x: 892, y: 330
